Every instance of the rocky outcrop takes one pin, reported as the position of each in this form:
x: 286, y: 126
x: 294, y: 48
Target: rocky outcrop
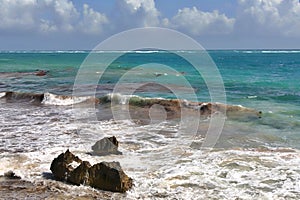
x: 62, y: 166
x: 106, y: 146
x: 80, y: 175
x: 105, y: 175
x: 109, y: 176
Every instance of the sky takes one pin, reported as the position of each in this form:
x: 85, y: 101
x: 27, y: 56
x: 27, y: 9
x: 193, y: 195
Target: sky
x: 215, y: 24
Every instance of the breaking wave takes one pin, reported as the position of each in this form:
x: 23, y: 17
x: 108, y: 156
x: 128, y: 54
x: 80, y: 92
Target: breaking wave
x: 62, y: 100
x: 45, y: 98
x: 173, y: 106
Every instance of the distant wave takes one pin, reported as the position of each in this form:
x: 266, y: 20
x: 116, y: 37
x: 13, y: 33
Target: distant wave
x: 62, y: 100
x: 47, y: 51
x: 267, y: 51
x: 172, y: 106
x: 99, y: 51
x: 281, y: 51
x: 45, y: 98
x: 130, y: 51
x: 147, y: 51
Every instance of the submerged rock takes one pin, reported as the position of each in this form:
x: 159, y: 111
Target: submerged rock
x: 105, y: 146
x: 105, y: 175
x: 41, y: 73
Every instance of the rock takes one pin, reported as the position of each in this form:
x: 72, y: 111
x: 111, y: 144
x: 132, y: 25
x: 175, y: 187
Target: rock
x: 11, y: 175
x: 80, y: 175
x: 114, y: 140
x: 41, y: 73
x: 64, y: 164
x: 105, y: 146
x: 109, y: 176
x: 105, y: 175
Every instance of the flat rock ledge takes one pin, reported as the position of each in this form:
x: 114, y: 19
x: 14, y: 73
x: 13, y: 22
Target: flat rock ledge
x: 107, y: 176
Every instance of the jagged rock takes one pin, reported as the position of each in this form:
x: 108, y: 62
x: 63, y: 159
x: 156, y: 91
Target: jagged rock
x: 80, y: 175
x: 105, y: 146
x: 114, y: 140
x: 109, y: 176
x: 64, y: 164
x: 105, y: 175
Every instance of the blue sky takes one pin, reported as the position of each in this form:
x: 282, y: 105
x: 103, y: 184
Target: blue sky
x: 215, y: 24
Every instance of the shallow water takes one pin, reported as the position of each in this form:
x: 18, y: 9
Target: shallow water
x: 163, y: 164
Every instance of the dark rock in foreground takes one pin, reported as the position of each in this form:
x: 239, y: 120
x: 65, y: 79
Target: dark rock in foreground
x: 105, y: 175
x: 63, y: 165
x: 80, y: 175
x: 11, y: 175
x: 106, y: 146
x: 109, y: 176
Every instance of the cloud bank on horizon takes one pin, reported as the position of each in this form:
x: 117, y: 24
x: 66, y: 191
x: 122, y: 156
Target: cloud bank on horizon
x: 50, y: 24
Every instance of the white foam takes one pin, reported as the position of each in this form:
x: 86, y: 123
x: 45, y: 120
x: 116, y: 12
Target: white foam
x: 160, y: 165
x: 280, y: 51
x: 124, y: 99
x: 52, y: 99
x: 269, y: 51
x: 2, y: 94
x: 119, y: 98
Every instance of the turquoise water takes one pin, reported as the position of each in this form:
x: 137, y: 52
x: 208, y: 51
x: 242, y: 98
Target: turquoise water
x: 264, y: 80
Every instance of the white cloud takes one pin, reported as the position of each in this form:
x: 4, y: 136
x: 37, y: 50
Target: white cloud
x: 269, y: 17
x: 254, y: 18
x: 137, y: 13
x: 197, y: 22
x: 93, y: 22
x: 49, y: 16
x: 66, y: 14
x: 17, y: 14
x: 61, y: 16
x: 143, y: 13
x: 47, y: 27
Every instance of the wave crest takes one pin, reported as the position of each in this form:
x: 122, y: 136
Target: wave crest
x: 63, y: 100
x: 172, y: 106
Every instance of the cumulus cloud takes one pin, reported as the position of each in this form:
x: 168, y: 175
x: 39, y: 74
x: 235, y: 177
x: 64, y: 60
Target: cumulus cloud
x: 49, y: 16
x: 262, y: 19
x: 66, y: 14
x: 269, y: 17
x: 17, y: 14
x: 93, y: 22
x: 136, y: 13
x: 143, y: 13
x: 197, y: 22
x: 62, y: 16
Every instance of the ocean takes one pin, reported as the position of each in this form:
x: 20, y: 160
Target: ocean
x: 256, y: 155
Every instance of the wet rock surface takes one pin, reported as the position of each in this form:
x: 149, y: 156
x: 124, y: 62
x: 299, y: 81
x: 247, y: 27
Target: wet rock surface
x: 109, y: 176
x: 106, y: 146
x: 105, y: 175
x: 62, y: 166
